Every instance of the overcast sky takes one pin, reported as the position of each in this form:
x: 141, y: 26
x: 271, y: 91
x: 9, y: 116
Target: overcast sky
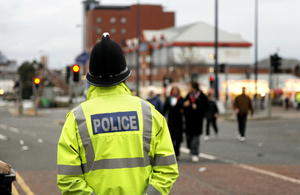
x: 30, y: 28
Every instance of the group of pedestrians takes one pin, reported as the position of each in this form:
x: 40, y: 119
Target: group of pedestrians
x: 194, y: 107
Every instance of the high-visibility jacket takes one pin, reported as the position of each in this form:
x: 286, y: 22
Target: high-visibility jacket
x: 115, y: 143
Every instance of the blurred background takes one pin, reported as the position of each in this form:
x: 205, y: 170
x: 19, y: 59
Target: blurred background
x: 224, y: 45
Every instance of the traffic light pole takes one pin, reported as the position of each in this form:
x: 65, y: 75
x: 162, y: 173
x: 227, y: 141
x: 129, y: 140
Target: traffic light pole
x: 270, y: 88
x: 34, y: 90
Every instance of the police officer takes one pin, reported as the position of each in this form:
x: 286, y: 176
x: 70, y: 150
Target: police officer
x: 114, y: 143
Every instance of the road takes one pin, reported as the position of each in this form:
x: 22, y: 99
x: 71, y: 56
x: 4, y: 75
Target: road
x: 268, y: 162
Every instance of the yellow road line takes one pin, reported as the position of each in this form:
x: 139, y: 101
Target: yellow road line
x: 14, y: 190
x: 23, y: 185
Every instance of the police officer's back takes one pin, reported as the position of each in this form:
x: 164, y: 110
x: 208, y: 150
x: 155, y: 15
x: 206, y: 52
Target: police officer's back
x: 114, y: 143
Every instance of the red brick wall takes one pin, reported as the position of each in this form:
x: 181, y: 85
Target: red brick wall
x: 151, y: 17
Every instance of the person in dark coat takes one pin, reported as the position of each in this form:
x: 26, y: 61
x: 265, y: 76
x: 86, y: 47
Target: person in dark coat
x: 195, y: 106
x: 242, y: 104
x: 154, y: 99
x: 211, y: 117
x: 173, y: 111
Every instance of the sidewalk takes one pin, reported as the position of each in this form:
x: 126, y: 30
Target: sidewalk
x: 276, y: 112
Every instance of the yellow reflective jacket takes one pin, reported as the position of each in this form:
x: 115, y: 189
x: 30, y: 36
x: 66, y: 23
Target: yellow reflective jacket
x: 115, y: 143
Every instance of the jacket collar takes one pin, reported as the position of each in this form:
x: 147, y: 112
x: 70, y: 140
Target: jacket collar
x: 95, y: 91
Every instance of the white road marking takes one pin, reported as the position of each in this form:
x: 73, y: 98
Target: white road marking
x: 3, y: 126
x: 187, y: 151
x: 21, y: 142
x: 24, y: 147
x: 14, y: 129
x: 269, y: 173
x: 184, y: 150
x: 207, y: 156
x: 257, y: 170
x: 40, y: 140
x: 3, y: 137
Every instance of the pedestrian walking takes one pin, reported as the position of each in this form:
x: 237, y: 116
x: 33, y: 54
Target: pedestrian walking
x: 173, y: 111
x: 195, y: 106
x: 211, y: 117
x: 242, y: 104
x: 114, y: 143
x: 287, y: 102
x: 154, y: 99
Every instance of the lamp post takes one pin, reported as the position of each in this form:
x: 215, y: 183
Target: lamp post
x: 216, y: 51
x: 138, y: 48
x: 256, y: 42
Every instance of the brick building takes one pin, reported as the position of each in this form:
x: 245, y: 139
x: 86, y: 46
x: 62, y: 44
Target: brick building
x: 121, y: 22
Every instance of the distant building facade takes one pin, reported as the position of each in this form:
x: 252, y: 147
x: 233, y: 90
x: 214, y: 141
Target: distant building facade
x: 121, y: 22
x: 179, y: 52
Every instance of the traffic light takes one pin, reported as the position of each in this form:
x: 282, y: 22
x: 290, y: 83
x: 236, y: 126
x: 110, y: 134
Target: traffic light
x: 76, y: 69
x: 68, y: 74
x: 37, y: 82
x: 276, y: 63
x: 211, y: 81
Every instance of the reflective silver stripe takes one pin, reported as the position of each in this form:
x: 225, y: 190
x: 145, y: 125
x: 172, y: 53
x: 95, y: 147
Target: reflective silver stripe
x: 147, y: 126
x: 164, y: 160
x: 121, y: 163
x: 147, y: 131
x: 69, y: 170
x: 150, y: 190
x: 85, y: 137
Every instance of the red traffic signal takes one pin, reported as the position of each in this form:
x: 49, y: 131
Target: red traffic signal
x: 211, y: 78
x: 37, y: 80
x: 75, y: 68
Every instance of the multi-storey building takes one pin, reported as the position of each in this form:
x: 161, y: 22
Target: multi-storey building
x: 123, y: 22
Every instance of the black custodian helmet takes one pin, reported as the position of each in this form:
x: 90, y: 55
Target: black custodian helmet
x: 107, y: 64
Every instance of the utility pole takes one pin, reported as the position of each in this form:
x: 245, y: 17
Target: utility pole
x: 138, y: 48
x: 256, y: 46
x: 216, y: 52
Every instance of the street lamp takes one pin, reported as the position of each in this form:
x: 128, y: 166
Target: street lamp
x: 216, y: 51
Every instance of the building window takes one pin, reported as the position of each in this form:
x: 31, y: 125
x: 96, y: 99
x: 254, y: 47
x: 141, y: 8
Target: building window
x: 154, y: 71
x: 113, y: 31
x: 123, y: 20
x: 99, y: 30
x: 148, y: 71
x: 112, y: 20
x: 143, y: 47
x: 148, y: 59
x: 99, y: 20
x: 123, y: 31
